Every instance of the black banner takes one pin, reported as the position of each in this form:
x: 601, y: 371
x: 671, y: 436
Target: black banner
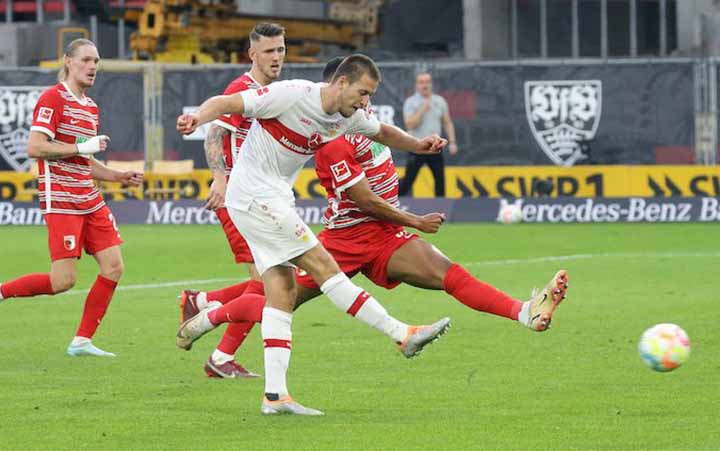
x: 509, y: 115
x: 119, y: 96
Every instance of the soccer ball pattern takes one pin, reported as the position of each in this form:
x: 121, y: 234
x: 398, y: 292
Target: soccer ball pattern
x: 664, y: 347
x: 510, y: 214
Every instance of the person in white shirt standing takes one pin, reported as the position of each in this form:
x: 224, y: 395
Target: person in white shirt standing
x: 294, y: 119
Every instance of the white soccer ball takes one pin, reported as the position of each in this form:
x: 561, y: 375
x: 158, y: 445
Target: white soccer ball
x: 510, y: 214
x: 664, y: 347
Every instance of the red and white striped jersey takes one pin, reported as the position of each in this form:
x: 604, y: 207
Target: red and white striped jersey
x: 65, y: 185
x: 237, y: 124
x: 291, y: 126
x: 344, y: 162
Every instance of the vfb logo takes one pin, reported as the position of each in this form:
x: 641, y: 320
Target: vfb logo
x: 563, y: 116
x: 17, y: 104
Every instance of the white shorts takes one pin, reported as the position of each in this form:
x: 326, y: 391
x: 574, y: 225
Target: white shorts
x: 274, y: 232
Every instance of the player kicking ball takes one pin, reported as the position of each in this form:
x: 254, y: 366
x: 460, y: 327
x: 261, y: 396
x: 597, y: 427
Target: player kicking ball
x: 294, y: 119
x: 537, y: 313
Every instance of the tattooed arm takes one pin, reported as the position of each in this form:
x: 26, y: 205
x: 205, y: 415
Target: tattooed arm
x: 216, y: 163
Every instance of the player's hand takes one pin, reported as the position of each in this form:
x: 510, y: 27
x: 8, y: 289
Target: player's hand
x: 216, y: 197
x: 93, y: 145
x: 187, y: 123
x: 130, y: 178
x: 431, y: 145
x: 430, y: 223
x: 453, y: 149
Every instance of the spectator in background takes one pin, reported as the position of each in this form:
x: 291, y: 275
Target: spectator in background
x: 426, y: 113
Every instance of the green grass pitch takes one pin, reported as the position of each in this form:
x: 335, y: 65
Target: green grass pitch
x: 488, y: 384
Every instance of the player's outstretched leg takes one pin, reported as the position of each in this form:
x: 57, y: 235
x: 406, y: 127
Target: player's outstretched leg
x: 195, y: 327
x: 420, y: 336
x: 537, y: 313
x: 286, y: 405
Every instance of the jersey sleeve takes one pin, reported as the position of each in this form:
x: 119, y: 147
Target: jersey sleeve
x: 336, y: 162
x: 274, y: 99
x: 230, y: 121
x: 363, y: 122
x: 46, y: 116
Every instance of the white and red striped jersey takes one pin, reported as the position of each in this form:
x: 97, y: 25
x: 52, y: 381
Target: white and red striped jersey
x: 237, y: 124
x: 342, y: 163
x: 65, y: 185
x: 291, y: 126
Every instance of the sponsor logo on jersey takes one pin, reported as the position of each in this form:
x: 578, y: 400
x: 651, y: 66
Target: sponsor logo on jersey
x: 17, y: 104
x: 340, y: 171
x: 315, y: 140
x: 563, y: 116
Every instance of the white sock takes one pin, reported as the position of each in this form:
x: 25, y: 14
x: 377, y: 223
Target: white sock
x: 220, y: 357
x: 343, y: 293
x: 77, y: 341
x: 1, y: 296
x: 201, y: 300
x: 524, y: 314
x: 276, y: 325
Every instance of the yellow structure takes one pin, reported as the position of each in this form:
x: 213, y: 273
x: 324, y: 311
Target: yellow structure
x: 191, y: 31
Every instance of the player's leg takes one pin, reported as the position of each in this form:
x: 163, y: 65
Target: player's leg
x: 439, y: 273
x: 64, y: 243
x: 101, y: 239
x: 348, y: 297
x: 437, y: 167
x: 97, y: 301
x: 412, y: 166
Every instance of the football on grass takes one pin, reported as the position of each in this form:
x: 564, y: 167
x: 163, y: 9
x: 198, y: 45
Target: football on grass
x: 664, y: 347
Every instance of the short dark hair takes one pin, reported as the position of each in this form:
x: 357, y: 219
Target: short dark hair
x: 355, y: 66
x: 266, y: 29
x: 331, y: 67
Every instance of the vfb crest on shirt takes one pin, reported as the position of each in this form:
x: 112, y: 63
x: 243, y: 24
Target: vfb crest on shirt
x: 563, y: 116
x: 16, y: 116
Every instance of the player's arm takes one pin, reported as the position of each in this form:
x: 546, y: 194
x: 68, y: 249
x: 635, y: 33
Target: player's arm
x: 210, y: 110
x: 396, y: 138
x: 373, y: 205
x: 216, y: 162
x: 99, y: 171
x: 40, y: 145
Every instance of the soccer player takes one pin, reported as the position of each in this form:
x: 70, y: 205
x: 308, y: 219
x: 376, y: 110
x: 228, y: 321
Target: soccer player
x: 364, y: 233
x: 222, y: 144
x: 294, y: 119
x: 63, y: 137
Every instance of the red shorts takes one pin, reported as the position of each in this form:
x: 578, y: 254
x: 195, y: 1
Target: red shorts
x: 365, y: 248
x: 68, y: 235
x: 238, y: 245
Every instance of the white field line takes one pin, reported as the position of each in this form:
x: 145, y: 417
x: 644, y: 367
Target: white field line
x: 507, y: 262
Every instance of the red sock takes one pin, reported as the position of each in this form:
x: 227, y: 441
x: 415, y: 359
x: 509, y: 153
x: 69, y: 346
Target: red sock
x: 26, y: 286
x: 96, y: 305
x: 234, y: 336
x: 227, y: 294
x: 247, y: 307
x: 477, y: 295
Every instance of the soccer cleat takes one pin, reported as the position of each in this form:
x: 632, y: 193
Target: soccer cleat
x: 228, y: 370
x: 541, y: 307
x: 188, y: 305
x: 87, y: 349
x: 195, y: 327
x: 286, y: 405
x: 420, y: 336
